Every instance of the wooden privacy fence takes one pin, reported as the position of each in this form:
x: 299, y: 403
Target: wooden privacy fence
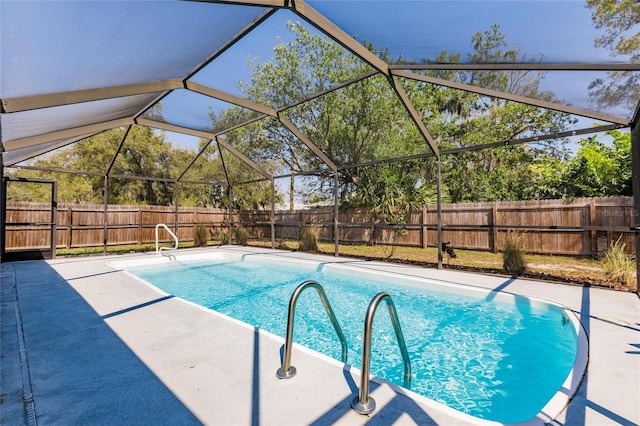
x: 83, y: 225
x: 579, y: 227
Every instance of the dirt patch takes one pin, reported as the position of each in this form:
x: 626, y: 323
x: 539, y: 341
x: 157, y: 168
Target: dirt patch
x: 557, y: 267
x: 580, y: 275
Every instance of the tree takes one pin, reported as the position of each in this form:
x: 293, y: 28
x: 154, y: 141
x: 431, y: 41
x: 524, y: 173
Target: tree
x: 466, y: 120
x: 358, y: 123
x: 90, y: 155
x: 364, y: 122
x: 599, y: 170
x: 548, y: 175
x: 144, y: 154
x: 202, y: 184
x: 619, y: 19
x: 256, y: 195
x: 391, y: 191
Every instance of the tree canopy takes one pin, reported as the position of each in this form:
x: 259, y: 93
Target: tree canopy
x: 619, y: 19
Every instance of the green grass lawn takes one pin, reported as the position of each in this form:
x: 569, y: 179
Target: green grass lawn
x: 554, y: 268
x: 134, y: 248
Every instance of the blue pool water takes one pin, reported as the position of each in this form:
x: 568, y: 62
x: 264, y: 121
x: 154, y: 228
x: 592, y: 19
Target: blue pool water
x: 494, y: 360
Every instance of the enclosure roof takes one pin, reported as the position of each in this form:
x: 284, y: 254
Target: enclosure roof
x: 73, y: 69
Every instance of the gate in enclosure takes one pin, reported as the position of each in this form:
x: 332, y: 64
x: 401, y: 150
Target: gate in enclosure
x: 35, y: 237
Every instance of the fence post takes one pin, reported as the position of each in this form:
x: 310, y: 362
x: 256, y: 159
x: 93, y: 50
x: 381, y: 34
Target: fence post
x: 140, y: 225
x: 272, y: 215
x: 423, y: 228
x: 635, y: 179
x: 70, y: 238
x: 176, y: 213
x: 439, y: 210
x: 493, y: 230
x: 300, y: 219
x: 593, y: 237
x: 105, y: 230
x: 336, y: 230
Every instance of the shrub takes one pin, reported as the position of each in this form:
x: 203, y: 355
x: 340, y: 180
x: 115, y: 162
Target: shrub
x: 308, y: 240
x: 241, y: 236
x: 200, y: 236
x: 513, y: 261
x: 620, y: 267
x: 224, y: 238
x: 282, y: 245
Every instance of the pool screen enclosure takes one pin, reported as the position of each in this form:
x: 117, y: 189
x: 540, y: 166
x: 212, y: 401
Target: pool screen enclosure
x: 72, y: 70
x: 42, y: 226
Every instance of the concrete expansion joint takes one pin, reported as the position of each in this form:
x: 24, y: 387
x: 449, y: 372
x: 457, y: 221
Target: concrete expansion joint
x: 29, y: 404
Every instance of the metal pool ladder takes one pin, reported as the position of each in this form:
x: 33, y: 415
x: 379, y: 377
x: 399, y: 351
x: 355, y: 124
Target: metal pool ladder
x: 175, y: 247
x: 287, y: 371
x: 363, y: 403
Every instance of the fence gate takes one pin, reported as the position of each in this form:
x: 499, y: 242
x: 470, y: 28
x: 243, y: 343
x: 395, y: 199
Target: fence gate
x: 35, y: 237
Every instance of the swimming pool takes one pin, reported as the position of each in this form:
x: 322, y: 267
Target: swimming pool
x: 491, y: 355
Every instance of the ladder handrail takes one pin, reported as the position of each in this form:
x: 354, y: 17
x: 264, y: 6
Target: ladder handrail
x: 287, y: 371
x: 175, y: 238
x: 363, y: 403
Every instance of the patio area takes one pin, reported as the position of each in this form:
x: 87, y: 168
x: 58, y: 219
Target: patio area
x: 84, y: 343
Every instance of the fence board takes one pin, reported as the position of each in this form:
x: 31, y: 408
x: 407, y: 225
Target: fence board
x: 579, y: 227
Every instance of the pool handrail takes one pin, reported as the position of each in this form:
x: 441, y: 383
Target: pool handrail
x: 287, y: 371
x: 175, y: 238
x: 363, y: 403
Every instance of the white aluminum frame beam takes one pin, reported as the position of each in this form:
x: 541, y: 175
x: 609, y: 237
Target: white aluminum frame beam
x: 520, y: 67
x: 41, y: 149
x: 305, y: 140
x: 263, y: 3
x: 66, y: 134
x: 227, y: 97
x: 511, y: 97
x: 404, y: 99
x: 333, y: 31
x: 316, y: 19
x: 204, y: 135
x: 27, y: 103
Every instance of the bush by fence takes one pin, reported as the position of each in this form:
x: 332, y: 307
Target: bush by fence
x: 579, y: 227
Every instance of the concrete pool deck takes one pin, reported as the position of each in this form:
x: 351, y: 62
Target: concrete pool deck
x: 84, y: 343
